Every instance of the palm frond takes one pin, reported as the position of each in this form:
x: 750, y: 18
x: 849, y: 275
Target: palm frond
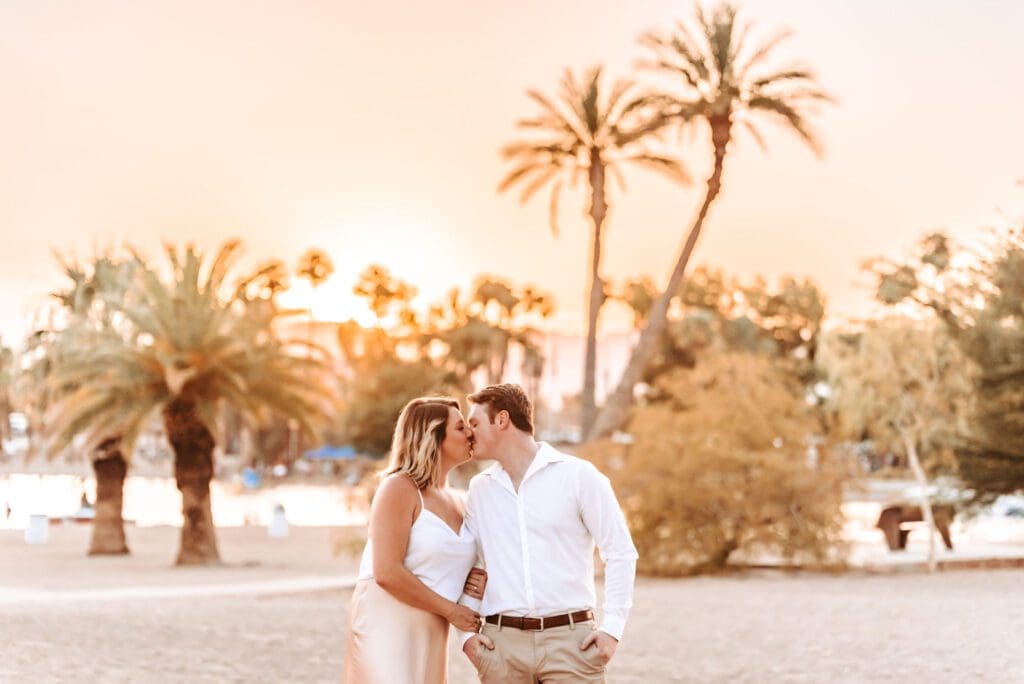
x: 761, y: 53
x: 795, y: 120
x: 755, y: 134
x: 616, y: 172
x: 556, y: 191
x: 221, y: 263
x: 520, y: 173
x: 720, y: 37
x: 618, y: 106
x: 790, y: 74
x: 668, y: 166
x: 537, y: 183
x: 567, y: 124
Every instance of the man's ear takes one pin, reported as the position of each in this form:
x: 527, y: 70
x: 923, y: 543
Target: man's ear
x: 502, y: 420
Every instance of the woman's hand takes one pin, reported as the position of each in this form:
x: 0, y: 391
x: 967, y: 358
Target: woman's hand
x: 475, y: 583
x: 463, y: 618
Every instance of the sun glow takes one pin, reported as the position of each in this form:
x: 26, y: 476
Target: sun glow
x: 331, y: 302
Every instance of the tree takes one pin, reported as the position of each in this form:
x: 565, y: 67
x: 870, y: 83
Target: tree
x: 584, y: 132
x: 7, y: 373
x: 715, y: 311
x: 316, y: 267
x: 979, y: 297
x: 408, y: 355
x: 906, y: 385
x: 199, y: 344
x: 718, y: 465
x: 84, y: 309
x: 722, y: 81
x: 467, y: 334
x: 271, y: 279
x: 380, y: 380
x: 509, y: 314
x: 384, y: 293
x: 376, y: 397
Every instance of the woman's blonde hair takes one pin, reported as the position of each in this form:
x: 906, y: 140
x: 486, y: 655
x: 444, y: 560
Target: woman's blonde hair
x: 416, y: 446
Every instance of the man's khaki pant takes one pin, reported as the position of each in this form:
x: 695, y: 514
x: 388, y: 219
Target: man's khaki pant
x: 552, y: 655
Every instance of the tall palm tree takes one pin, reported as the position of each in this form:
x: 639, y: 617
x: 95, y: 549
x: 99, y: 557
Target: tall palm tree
x: 719, y: 79
x: 316, y: 267
x: 586, y: 133
x: 199, y: 345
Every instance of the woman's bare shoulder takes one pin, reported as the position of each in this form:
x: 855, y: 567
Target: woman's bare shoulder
x: 397, y: 489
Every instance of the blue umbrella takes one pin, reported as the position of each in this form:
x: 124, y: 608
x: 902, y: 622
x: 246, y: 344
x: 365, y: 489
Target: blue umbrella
x: 331, y: 453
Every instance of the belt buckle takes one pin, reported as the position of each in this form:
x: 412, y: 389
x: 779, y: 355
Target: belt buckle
x: 542, y: 623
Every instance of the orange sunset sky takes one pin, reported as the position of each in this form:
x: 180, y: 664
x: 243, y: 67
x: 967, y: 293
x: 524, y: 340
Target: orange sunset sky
x: 371, y: 130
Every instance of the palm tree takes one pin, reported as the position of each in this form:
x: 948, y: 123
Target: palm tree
x: 6, y: 381
x: 198, y: 347
x: 582, y: 133
x: 316, y: 267
x: 721, y: 80
x: 84, y: 309
x: 384, y: 293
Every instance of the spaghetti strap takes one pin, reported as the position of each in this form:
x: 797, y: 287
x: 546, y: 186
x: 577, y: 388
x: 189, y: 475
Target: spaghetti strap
x: 419, y: 493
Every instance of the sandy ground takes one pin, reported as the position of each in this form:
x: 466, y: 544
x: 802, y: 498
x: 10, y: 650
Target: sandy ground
x: 68, y: 618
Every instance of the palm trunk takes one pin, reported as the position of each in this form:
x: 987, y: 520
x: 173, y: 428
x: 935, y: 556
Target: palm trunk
x: 5, y: 420
x: 926, y: 504
x: 616, y: 406
x: 598, y: 212
x: 193, y: 469
x: 108, y: 524
x: 499, y: 374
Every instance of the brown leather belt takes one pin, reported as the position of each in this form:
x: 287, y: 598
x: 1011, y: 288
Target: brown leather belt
x: 541, y: 623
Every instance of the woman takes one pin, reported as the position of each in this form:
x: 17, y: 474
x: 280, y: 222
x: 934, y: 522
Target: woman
x: 417, y: 558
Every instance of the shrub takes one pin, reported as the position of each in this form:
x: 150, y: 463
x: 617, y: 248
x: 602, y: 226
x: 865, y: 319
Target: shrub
x: 719, y: 466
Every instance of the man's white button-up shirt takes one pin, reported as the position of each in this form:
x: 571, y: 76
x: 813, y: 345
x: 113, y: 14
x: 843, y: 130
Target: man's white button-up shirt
x: 537, y: 544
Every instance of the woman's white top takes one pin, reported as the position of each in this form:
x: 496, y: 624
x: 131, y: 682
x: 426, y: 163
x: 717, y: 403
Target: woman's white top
x: 437, y: 555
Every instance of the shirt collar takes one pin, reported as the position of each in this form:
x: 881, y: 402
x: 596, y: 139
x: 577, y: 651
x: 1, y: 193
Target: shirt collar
x: 545, y: 455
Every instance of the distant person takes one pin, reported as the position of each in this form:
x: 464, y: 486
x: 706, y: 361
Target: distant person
x: 417, y: 560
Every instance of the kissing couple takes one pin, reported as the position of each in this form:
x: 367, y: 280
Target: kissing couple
x: 510, y: 564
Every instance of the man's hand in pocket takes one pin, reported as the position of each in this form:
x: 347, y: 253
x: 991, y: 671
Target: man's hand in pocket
x: 473, y: 645
x: 606, y: 644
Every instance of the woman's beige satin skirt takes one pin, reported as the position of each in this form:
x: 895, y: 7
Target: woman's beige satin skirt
x: 390, y: 642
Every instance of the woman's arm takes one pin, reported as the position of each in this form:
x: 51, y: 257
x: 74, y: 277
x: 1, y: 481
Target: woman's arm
x: 392, y: 514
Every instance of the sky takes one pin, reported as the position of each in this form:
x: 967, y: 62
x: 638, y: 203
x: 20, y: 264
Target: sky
x: 372, y: 130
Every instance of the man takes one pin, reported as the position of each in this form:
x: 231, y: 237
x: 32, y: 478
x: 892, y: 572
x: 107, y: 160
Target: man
x: 536, y: 515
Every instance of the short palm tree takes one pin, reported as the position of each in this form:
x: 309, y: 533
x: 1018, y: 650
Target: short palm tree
x: 316, y: 267
x: 716, y: 77
x: 83, y: 310
x: 585, y: 132
x: 7, y: 376
x: 198, y: 346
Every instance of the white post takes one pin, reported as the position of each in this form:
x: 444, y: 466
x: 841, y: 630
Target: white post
x: 278, y: 527
x: 38, y: 530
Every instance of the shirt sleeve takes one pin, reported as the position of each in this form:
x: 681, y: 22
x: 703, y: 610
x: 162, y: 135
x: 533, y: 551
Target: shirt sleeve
x: 606, y: 523
x: 469, y: 524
